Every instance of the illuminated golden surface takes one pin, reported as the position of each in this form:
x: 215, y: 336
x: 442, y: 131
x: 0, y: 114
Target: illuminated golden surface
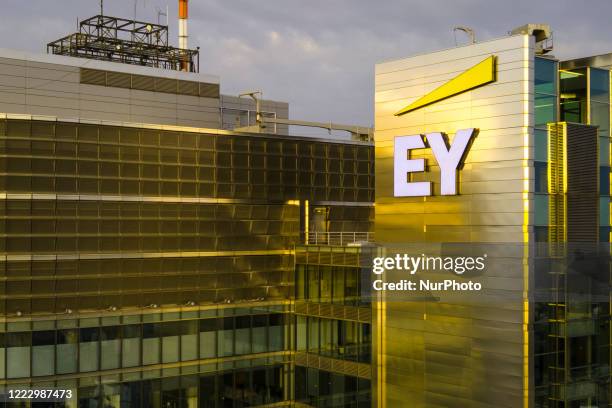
x: 480, y: 74
x: 459, y: 354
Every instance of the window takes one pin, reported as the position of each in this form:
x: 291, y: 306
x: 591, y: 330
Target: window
x: 110, y: 346
x: 131, y: 338
x: 88, y: 349
x: 66, y: 351
x: 541, y: 177
x: 43, y: 353
x: 150, y: 343
x: 208, y: 335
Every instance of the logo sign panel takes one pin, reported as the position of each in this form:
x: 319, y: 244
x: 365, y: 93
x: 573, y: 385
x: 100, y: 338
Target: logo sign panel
x: 450, y: 158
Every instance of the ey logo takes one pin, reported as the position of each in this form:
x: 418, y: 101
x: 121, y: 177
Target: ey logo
x: 450, y: 157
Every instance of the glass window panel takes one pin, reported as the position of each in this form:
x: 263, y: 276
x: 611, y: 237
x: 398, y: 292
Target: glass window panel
x: 2, y: 361
x: 338, y: 285
x: 541, y: 145
x: 324, y: 383
x: 541, y: 177
x: 326, y: 337
x: 130, y: 346
x: 604, y: 153
x: 600, y: 116
x: 170, y: 347
x: 260, y: 325
x: 338, y: 390
x: 313, y: 282
x: 545, y: 109
x: 352, y: 286
x: 208, y: 336
x: 110, y: 346
x: 313, y: 386
x: 189, y: 340
x: 150, y: 344
x: 300, y: 282
x: 301, y: 333
x: 276, y: 332
x: 88, y: 349
x: 573, y: 95
x: 313, y: 334
x: 66, y: 351
x: 545, y: 76
x: 243, y: 335
x: 18, y: 354
x: 18, y: 362
x: 225, y: 337
x: 604, y: 180
x: 600, y: 85
x: 43, y: 353
x: 365, y: 342
x: 326, y: 283
x: 541, y: 210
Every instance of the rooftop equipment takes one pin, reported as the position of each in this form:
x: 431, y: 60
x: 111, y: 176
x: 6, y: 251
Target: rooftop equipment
x: 127, y: 41
x: 358, y: 133
x: 541, y: 32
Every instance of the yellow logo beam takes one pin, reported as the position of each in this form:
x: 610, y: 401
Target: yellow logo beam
x: 480, y: 74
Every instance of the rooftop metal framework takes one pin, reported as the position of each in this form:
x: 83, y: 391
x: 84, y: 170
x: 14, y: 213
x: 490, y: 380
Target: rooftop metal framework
x: 127, y: 41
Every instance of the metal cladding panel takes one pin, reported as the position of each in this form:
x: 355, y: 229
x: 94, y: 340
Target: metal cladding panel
x: 501, y: 111
x: 172, y: 205
x: 473, y: 353
x: 582, y: 184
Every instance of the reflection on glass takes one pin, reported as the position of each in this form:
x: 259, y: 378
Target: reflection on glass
x: 573, y: 95
x: 600, y: 85
x: 545, y: 76
x: 88, y: 349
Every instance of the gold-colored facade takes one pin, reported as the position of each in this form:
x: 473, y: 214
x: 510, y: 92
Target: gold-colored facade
x: 151, y: 265
x: 459, y: 354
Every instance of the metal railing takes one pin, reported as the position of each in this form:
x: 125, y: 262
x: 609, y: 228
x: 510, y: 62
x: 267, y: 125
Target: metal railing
x: 338, y: 238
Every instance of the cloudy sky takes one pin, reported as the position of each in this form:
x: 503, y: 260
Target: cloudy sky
x: 319, y: 55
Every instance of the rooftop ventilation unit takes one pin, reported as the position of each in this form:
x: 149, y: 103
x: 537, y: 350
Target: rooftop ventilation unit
x: 541, y: 32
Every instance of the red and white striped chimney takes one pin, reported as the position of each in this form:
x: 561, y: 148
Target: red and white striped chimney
x: 183, y: 15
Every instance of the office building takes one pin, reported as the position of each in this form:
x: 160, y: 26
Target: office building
x: 150, y: 248
x: 533, y: 191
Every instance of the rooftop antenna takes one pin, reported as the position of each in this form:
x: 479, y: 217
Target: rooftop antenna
x: 160, y: 13
x: 469, y: 31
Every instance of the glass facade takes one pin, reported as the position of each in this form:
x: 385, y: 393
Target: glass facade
x: 340, y: 285
x: 572, y: 327
x: 235, y: 388
x: 148, y: 267
x: 341, y: 339
x: 142, y: 340
x: 546, y: 111
x: 333, y: 325
x: 320, y: 388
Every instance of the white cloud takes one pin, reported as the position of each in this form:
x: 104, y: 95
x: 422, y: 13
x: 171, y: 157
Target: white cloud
x: 319, y: 55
